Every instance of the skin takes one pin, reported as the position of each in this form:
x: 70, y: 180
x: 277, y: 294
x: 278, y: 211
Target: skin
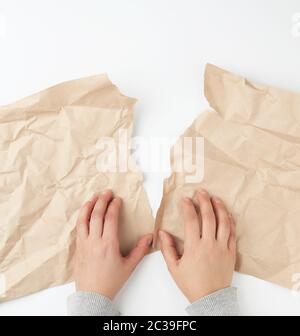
x: 208, y: 260
x: 206, y: 265
x: 99, y: 264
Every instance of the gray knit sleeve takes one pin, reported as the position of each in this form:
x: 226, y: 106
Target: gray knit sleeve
x: 90, y: 304
x: 221, y: 303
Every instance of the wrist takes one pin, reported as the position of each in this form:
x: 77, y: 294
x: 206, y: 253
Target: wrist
x: 205, y: 292
x: 101, y: 291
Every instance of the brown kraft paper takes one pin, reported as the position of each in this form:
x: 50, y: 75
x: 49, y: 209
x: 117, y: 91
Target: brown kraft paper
x: 251, y: 161
x: 49, y: 152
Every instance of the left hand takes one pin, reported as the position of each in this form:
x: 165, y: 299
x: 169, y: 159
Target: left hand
x: 99, y: 265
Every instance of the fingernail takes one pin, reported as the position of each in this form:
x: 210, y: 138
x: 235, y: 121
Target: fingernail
x: 105, y: 192
x: 216, y: 199
x: 187, y: 199
x: 202, y: 191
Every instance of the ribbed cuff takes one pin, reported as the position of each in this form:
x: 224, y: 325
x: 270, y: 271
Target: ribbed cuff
x: 90, y: 304
x: 220, y: 303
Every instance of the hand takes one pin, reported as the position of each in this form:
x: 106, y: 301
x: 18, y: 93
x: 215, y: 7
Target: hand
x: 99, y: 265
x: 208, y: 260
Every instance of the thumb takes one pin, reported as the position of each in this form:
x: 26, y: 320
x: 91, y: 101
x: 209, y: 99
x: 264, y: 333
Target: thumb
x: 141, y: 249
x: 168, y: 249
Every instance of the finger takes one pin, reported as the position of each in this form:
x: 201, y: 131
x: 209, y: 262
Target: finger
x: 98, y: 213
x: 82, y: 224
x: 111, y: 220
x: 207, y: 215
x: 138, y: 252
x: 223, y: 221
x: 232, y: 238
x: 191, y: 223
x: 168, y: 249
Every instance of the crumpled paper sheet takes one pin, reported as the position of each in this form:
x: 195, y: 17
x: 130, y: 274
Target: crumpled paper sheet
x: 48, y: 155
x: 252, y: 161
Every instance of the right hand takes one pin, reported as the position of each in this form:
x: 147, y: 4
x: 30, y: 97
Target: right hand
x: 208, y: 260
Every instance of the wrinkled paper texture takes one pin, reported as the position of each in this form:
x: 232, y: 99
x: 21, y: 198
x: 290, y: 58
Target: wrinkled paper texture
x: 251, y: 161
x: 49, y: 156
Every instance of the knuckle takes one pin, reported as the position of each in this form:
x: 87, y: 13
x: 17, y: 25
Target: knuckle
x: 210, y: 244
x: 222, y: 210
x: 100, y: 250
x: 189, y: 218
x: 97, y: 213
x: 225, y: 222
x: 110, y: 217
x: 203, y: 198
x: 209, y: 218
x: 102, y: 198
x: 86, y: 205
x: 104, y: 244
x: 113, y: 244
x: 206, y: 198
x: 223, y: 248
x: 207, y: 212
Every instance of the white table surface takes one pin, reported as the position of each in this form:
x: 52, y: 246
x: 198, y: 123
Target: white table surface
x: 155, y: 51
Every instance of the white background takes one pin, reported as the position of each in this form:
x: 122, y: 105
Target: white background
x: 155, y: 51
